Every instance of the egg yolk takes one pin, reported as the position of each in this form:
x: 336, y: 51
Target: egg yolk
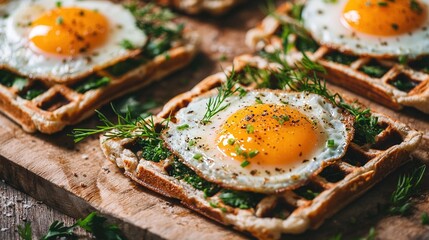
x: 384, y: 17
x: 68, y: 31
x: 269, y: 135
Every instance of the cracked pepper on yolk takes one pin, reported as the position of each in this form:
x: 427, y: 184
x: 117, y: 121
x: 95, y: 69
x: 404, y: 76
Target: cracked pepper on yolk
x: 384, y: 17
x: 268, y: 134
x: 69, y: 31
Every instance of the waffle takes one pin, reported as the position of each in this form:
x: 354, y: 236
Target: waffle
x: 396, y: 85
x: 289, y: 212
x: 60, y: 104
x: 214, y: 7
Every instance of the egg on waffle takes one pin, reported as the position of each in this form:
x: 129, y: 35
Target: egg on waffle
x: 62, y: 40
x: 204, y: 167
x: 374, y: 48
x: 60, y: 60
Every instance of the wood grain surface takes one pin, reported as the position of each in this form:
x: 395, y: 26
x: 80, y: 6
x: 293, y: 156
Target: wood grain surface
x: 76, y: 179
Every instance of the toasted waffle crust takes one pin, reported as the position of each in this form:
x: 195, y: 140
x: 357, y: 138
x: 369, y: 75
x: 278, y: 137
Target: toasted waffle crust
x: 61, y: 105
x: 381, y: 89
x: 214, y: 7
x: 337, y: 184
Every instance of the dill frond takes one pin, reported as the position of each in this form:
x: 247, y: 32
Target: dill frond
x: 408, y: 185
x: 216, y: 104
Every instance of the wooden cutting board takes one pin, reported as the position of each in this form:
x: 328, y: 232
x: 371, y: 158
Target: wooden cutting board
x: 76, y: 179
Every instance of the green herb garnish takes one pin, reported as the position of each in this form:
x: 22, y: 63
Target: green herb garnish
x: 307, y: 193
x: 153, y: 149
x: 408, y: 185
x: 403, y: 83
x: 182, y: 172
x: 94, y: 224
x: 198, y: 156
x: 127, y: 44
x: 33, y: 93
x: 192, y: 143
x: 9, y: 79
x: 340, y: 58
x: 126, y: 127
x: 216, y: 104
x: 250, y: 129
x: 60, y: 20
x: 374, y: 70
x: 182, y: 127
x: 156, y: 23
x: 244, y: 164
x: 25, y: 231
x: 93, y: 82
x: 281, y: 119
x: 253, y: 153
x: 239, y: 199
x: 331, y: 143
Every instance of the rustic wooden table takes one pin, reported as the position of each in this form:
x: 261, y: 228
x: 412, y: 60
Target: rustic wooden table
x: 222, y: 37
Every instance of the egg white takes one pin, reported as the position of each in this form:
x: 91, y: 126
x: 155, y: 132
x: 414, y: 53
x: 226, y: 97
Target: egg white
x: 216, y: 167
x: 322, y: 20
x: 16, y: 54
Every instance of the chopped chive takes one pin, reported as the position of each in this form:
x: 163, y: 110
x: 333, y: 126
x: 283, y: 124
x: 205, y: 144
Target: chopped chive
x: 245, y: 163
x: 382, y: 4
x: 60, y: 20
x: 191, y: 143
x: 231, y: 141
x: 282, y: 119
x: 258, y: 100
x: 198, y: 156
x: 403, y: 59
x: 253, y: 153
x: 250, y: 129
x: 127, y: 44
x: 59, y: 4
x: 331, y: 143
x: 242, y: 92
x: 238, y: 150
x: 183, y: 127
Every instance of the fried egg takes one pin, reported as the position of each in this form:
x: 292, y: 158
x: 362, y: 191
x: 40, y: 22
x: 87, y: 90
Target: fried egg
x: 266, y: 141
x: 382, y: 28
x: 61, y: 40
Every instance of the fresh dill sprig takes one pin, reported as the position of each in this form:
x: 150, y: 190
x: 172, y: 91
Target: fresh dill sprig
x: 408, y: 185
x: 216, y: 104
x: 93, y: 223
x: 304, y: 76
x: 126, y: 127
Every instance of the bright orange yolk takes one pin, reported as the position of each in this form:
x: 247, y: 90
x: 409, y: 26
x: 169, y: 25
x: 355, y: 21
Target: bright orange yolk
x: 270, y: 135
x: 69, y: 31
x: 384, y: 17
